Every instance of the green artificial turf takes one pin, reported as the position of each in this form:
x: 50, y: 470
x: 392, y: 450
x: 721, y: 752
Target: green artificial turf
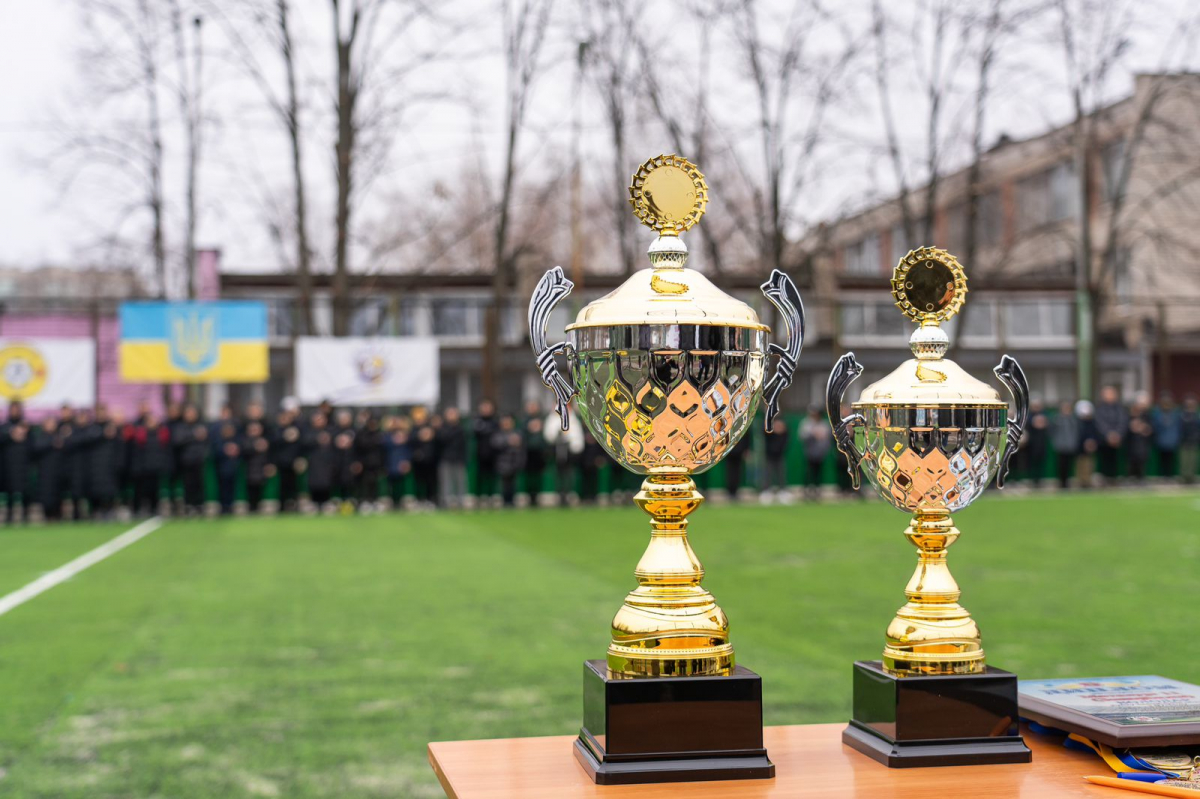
x: 316, y: 657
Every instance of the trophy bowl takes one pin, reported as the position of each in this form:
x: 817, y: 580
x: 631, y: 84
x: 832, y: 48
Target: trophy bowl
x: 669, y: 371
x: 929, y: 437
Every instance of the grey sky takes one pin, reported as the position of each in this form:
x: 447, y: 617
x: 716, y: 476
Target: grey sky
x: 40, y: 68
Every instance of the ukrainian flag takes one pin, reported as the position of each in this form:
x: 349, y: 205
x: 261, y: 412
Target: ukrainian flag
x: 194, y: 342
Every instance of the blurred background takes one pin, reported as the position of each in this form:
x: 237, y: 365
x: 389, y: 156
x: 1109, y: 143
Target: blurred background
x: 402, y: 168
x: 262, y: 256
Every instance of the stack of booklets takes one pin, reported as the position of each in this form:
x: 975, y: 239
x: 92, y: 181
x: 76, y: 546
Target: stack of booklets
x: 1145, y: 728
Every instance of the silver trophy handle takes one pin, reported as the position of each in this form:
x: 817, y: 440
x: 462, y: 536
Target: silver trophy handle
x: 550, y: 290
x: 845, y: 372
x: 1012, y: 376
x: 782, y: 293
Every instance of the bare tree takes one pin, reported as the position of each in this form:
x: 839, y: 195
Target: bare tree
x: 800, y: 63
x: 612, y: 28
x: 1094, y: 39
x: 123, y: 72
x: 271, y: 20
x: 687, y: 119
x: 939, y: 39
x: 525, y: 23
x: 189, y: 89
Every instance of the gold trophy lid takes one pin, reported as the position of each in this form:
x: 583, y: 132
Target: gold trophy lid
x: 929, y: 286
x: 668, y: 194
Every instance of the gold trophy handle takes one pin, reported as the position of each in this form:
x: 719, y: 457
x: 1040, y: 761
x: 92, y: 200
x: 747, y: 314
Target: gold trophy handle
x: 784, y: 295
x: 845, y: 372
x: 1012, y: 376
x: 549, y: 292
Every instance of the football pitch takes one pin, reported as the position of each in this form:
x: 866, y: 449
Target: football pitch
x: 315, y: 657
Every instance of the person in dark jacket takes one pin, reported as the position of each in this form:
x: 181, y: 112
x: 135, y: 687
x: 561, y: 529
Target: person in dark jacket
x: 256, y: 451
x: 484, y: 431
x: 177, y: 428
x: 78, y: 459
x: 193, y: 455
x: 397, y: 460
x: 149, y: 461
x: 1112, y: 425
x: 1064, y: 437
x: 591, y: 461
x: 1140, y: 436
x: 536, y: 452
x: 1189, y: 439
x: 452, y: 459
x: 321, y: 460
x: 509, y: 452
x: 368, y: 451
x: 287, y: 448
x: 46, y: 453
x: 228, y: 460
x: 14, y: 459
x: 1167, y: 421
x: 1089, y: 443
x: 735, y: 464
x: 106, y: 462
x: 1036, y: 440
x: 776, y: 446
x: 423, y: 444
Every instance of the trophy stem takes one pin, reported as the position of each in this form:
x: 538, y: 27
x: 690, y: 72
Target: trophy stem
x: 669, y: 625
x: 932, y: 634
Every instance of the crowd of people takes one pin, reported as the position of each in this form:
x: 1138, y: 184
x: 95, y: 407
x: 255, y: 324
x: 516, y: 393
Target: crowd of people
x: 90, y: 463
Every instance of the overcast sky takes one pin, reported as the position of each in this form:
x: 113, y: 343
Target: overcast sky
x: 40, y: 77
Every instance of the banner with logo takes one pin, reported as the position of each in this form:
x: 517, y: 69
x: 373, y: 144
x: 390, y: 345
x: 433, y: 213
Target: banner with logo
x: 367, y: 371
x: 48, y: 372
x: 194, y: 342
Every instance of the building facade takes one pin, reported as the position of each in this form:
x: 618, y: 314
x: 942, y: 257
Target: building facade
x: 1142, y: 167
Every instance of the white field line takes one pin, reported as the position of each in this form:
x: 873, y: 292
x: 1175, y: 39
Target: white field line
x: 69, y: 570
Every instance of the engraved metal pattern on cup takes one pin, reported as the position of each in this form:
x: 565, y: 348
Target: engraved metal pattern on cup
x: 929, y: 459
x: 668, y: 397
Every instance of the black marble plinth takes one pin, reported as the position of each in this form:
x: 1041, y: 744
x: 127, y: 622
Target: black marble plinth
x: 957, y: 720
x: 671, y: 729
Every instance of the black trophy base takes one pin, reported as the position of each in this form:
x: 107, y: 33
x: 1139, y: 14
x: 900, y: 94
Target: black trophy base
x: 957, y: 720
x: 671, y: 729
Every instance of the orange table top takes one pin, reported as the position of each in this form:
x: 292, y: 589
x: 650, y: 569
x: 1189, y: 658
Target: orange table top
x: 810, y: 761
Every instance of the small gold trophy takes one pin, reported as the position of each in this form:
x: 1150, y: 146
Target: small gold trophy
x: 930, y: 437
x: 669, y: 371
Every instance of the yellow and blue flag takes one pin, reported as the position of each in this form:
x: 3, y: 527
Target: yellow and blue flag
x: 194, y: 342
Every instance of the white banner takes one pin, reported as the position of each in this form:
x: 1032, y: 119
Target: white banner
x: 48, y: 372
x: 367, y: 371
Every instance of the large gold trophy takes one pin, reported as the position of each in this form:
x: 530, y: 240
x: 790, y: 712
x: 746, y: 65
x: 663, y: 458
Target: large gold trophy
x: 930, y: 437
x: 669, y: 371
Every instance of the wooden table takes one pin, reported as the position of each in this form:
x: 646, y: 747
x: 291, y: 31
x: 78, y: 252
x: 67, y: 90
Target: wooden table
x: 810, y: 761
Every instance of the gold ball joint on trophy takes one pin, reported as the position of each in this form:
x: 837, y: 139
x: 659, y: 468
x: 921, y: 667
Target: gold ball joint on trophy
x: 667, y: 372
x: 930, y: 437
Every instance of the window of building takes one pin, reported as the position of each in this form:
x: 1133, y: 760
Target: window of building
x: 989, y: 219
x: 1064, y: 191
x: 862, y: 257
x: 368, y: 317
x: 980, y: 318
x: 900, y: 245
x: 871, y: 319
x: 1122, y: 279
x: 1048, y: 196
x: 1112, y: 160
x: 282, y: 321
x: 457, y: 318
x: 1033, y: 202
x: 1042, y: 321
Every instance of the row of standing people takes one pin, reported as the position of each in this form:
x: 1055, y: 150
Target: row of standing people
x: 92, y: 461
